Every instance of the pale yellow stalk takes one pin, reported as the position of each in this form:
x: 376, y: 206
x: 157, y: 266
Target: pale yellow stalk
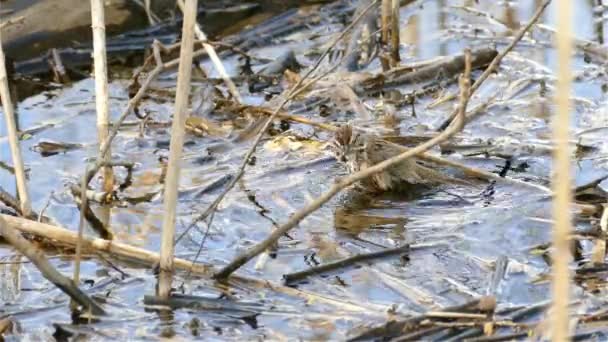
x: 561, y: 176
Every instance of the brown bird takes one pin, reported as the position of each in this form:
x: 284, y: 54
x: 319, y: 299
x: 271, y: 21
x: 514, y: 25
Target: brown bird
x: 360, y: 151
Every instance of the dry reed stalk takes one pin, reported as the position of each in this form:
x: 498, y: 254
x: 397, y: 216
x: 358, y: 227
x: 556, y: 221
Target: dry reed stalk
x: 561, y: 182
x: 395, y: 40
x: 101, y: 85
x: 101, y: 103
x: 12, y: 21
x: 152, y: 75
x: 215, y: 59
x: 385, y: 13
x: 13, y: 138
x: 456, y: 126
x: 103, y: 116
x: 175, y: 151
x: 385, y: 19
x: 116, y: 249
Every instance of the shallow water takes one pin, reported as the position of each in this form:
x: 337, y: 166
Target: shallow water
x: 459, y: 231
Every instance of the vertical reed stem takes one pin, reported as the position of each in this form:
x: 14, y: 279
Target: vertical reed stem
x: 11, y: 127
x: 395, y: 40
x: 215, y: 59
x: 101, y: 85
x: 561, y: 175
x: 385, y: 20
x: 175, y: 152
x: 101, y: 101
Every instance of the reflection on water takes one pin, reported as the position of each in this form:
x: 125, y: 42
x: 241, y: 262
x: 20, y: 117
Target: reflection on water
x: 425, y: 26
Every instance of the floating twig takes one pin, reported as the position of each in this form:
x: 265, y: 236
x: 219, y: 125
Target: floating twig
x: 56, y: 64
x: 410, y: 325
x: 178, y: 301
x: 87, y: 213
x: 332, y: 266
x: 446, y: 67
x: 215, y: 59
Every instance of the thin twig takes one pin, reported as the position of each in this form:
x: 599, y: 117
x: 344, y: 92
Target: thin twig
x: 46, y: 205
x: 215, y: 59
x: 289, y: 117
x: 456, y: 126
x: 200, y: 246
x: 83, y: 206
x: 12, y: 21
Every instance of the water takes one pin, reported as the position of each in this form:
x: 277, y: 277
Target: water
x: 465, y: 230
